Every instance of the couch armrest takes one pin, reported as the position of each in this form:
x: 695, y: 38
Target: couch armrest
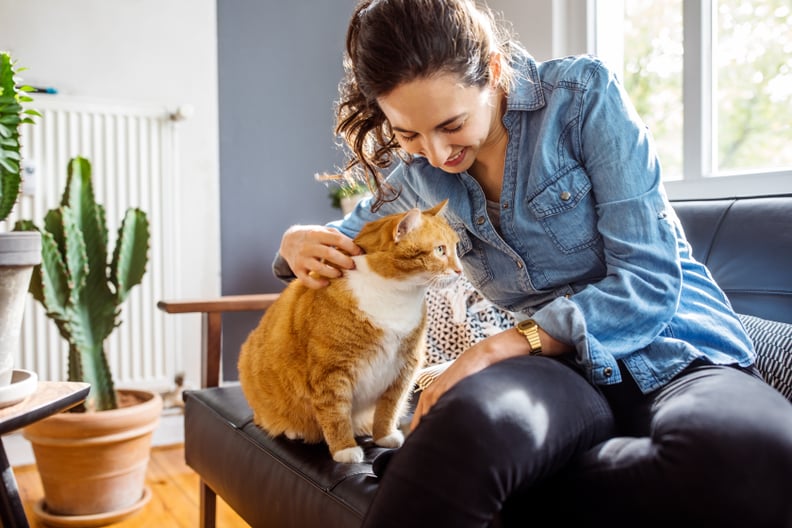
x: 211, y: 311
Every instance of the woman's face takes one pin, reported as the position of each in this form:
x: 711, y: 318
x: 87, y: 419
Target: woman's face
x: 443, y: 120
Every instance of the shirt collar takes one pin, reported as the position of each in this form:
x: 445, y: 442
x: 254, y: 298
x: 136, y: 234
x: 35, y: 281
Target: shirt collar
x: 526, y: 92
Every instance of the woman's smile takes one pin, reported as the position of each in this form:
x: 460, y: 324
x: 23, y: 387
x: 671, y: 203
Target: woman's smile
x: 457, y: 158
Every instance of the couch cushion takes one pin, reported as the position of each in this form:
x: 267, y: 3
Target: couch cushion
x: 744, y: 242
x: 773, y: 343
x: 301, y: 484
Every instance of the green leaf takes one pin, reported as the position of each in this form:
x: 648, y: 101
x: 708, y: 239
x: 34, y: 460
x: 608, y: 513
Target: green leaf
x: 9, y: 185
x: 9, y: 165
x: 53, y: 278
x: 53, y: 224
x: 131, y: 253
x: 76, y: 256
x: 10, y: 120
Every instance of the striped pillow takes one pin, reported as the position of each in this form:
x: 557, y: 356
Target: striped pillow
x: 773, y: 343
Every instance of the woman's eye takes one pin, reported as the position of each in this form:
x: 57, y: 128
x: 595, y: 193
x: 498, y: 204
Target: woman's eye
x: 440, y: 251
x: 454, y: 129
x: 407, y: 139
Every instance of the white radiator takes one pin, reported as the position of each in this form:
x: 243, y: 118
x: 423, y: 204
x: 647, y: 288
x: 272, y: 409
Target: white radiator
x: 133, y: 154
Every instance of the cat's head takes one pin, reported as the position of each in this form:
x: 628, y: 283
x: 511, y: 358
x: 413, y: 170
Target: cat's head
x: 418, y: 247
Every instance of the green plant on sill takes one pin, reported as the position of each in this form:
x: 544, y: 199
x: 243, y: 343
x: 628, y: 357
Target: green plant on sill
x: 346, y: 190
x: 80, y: 290
x: 12, y: 115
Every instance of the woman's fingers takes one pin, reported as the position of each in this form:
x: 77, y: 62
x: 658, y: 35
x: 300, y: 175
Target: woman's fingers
x: 317, y: 253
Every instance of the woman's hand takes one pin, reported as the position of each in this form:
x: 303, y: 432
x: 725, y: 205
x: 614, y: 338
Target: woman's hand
x: 317, y: 253
x: 506, y: 344
x: 478, y: 357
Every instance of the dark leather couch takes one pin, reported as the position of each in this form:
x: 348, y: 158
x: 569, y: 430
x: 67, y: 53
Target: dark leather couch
x: 746, y: 242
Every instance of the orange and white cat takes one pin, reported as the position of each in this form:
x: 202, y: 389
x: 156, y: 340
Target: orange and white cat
x: 339, y: 362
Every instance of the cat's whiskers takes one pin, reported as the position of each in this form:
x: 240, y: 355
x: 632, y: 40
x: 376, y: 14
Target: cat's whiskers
x: 439, y: 282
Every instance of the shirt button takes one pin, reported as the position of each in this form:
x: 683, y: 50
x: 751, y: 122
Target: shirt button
x: 519, y: 264
x: 505, y: 205
x: 480, y: 220
x: 565, y: 196
x: 608, y: 372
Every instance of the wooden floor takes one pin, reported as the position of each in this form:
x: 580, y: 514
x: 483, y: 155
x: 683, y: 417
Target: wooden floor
x: 174, y: 490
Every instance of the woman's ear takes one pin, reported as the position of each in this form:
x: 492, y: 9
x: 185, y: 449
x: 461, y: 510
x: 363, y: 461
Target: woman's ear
x: 495, y: 69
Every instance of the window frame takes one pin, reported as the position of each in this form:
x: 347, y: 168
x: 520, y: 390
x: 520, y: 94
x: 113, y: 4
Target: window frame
x: 698, y: 142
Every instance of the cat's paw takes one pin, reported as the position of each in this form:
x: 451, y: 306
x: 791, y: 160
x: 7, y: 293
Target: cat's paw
x: 293, y: 435
x: 395, y: 439
x: 349, y: 455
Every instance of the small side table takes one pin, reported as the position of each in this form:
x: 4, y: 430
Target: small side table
x: 50, y: 397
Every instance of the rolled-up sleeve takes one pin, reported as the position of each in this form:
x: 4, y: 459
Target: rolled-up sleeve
x: 639, y: 294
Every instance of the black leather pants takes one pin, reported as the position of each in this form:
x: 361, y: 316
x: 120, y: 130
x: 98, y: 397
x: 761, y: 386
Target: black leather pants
x: 528, y: 441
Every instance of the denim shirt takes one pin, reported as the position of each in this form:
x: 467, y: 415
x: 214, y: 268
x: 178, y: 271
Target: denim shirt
x: 588, y: 245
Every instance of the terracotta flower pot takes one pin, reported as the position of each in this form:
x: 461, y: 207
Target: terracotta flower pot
x: 94, y: 464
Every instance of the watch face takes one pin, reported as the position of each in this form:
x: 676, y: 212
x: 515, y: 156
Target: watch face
x: 525, y: 325
x: 530, y: 330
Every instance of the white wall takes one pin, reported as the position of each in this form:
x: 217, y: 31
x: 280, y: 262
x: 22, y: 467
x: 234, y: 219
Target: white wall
x: 141, y: 51
x: 547, y: 28
x: 532, y: 23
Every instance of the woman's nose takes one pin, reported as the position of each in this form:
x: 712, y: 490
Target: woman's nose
x: 436, y: 151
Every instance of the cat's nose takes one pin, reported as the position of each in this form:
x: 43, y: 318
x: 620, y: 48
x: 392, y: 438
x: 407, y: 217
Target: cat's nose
x: 455, y: 264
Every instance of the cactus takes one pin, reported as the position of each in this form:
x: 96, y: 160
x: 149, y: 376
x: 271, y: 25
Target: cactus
x: 11, y: 116
x: 82, y: 291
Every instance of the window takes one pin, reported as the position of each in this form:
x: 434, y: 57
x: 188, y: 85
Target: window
x: 713, y: 81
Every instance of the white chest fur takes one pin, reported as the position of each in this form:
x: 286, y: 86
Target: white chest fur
x: 392, y: 304
x: 396, y: 307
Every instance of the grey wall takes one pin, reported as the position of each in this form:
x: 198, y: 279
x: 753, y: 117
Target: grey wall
x: 279, y: 68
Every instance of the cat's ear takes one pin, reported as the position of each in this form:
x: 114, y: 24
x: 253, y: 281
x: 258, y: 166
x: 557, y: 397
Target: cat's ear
x: 408, y: 222
x: 434, y: 211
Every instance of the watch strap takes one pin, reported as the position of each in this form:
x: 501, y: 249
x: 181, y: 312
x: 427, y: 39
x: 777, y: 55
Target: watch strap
x: 530, y: 330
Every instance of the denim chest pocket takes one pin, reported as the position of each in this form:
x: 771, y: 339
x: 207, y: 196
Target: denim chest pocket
x: 566, y: 211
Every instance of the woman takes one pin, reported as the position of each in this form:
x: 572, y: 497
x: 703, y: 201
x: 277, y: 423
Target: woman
x: 627, y: 395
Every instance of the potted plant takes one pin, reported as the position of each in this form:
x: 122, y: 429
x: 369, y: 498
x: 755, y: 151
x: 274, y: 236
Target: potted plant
x: 92, y: 462
x: 19, y: 252
x: 347, y: 191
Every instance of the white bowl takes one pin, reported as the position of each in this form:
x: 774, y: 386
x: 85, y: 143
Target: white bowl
x: 23, y: 384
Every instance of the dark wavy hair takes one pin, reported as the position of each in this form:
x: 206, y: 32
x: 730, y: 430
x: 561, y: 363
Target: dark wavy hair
x: 390, y: 42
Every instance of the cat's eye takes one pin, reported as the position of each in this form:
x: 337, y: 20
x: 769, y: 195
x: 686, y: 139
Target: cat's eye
x: 440, y: 251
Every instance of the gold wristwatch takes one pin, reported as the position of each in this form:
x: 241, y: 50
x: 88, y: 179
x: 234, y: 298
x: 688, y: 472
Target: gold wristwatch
x: 530, y: 330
